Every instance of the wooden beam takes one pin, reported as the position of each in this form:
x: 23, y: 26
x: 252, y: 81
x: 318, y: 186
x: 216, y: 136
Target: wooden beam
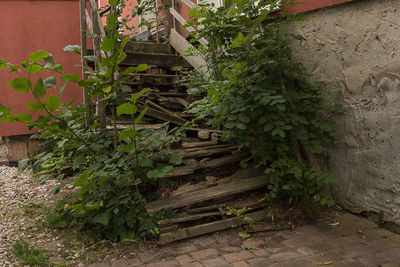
x: 216, y: 192
x: 209, y: 227
x: 215, y: 163
x: 189, y: 3
x: 181, y: 45
x: 183, y: 21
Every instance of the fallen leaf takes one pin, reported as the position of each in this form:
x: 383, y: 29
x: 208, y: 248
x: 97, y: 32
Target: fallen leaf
x: 325, y: 263
x: 334, y: 224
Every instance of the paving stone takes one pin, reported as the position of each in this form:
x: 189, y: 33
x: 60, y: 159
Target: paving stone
x: 321, y: 246
x: 372, y: 261
x: 184, y: 259
x: 390, y: 254
x: 148, y: 256
x: 347, y: 241
x: 240, y: 264
x: 357, y: 251
x: 383, y: 243
x: 389, y: 265
x: 325, y: 257
x: 306, y: 251
x: 272, y: 250
x: 216, y: 262
x: 172, y: 263
x: 253, y: 242
x: 284, y: 256
x: 300, y: 240
x: 260, y: 253
x: 231, y: 249
x: 238, y: 256
x: 306, y: 230
x: 258, y: 262
x: 205, y: 253
x: 346, y: 263
x: 193, y: 264
x: 298, y: 263
x: 187, y: 249
x: 285, y: 234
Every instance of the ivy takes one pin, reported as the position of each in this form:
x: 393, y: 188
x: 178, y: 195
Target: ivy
x: 260, y: 96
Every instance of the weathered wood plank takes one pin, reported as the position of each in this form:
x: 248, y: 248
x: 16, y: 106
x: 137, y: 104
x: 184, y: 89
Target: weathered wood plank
x: 207, y: 194
x: 208, y: 227
x: 188, y: 217
x: 161, y: 60
x: 181, y: 46
x: 147, y: 47
x: 215, y: 163
x: 205, y: 152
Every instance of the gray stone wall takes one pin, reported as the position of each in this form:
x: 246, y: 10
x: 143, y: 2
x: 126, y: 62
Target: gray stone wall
x: 354, y: 49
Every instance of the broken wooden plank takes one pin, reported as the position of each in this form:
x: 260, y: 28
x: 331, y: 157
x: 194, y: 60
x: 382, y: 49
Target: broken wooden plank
x: 162, y: 116
x: 181, y: 45
x: 207, y: 194
x: 199, y: 144
x: 215, y: 163
x: 208, y: 227
x: 147, y: 47
x: 161, y: 60
x: 154, y: 105
x: 188, y: 217
x: 205, y: 152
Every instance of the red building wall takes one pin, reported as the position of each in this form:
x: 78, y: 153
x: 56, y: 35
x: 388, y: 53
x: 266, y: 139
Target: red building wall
x: 29, y: 25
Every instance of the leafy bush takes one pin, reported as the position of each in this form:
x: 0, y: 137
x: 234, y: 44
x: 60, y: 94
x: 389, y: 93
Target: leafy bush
x: 113, y: 172
x: 260, y: 97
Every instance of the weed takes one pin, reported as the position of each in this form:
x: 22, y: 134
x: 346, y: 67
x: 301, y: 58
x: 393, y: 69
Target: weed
x: 28, y: 255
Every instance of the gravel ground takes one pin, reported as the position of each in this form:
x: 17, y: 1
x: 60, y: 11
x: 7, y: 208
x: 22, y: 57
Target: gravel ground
x: 22, y: 200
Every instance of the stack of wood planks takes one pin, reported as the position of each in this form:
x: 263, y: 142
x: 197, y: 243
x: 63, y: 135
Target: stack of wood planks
x: 210, y: 181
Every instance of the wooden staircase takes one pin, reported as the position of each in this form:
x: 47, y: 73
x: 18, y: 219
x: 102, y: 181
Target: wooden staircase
x: 210, y: 181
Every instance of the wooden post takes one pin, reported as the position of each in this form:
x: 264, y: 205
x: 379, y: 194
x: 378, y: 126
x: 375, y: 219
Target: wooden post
x: 100, y: 110
x: 83, y: 23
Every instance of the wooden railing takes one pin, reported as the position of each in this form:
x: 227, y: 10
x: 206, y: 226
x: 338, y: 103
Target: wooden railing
x: 181, y: 45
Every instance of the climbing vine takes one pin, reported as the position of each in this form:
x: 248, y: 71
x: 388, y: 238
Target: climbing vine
x: 260, y: 96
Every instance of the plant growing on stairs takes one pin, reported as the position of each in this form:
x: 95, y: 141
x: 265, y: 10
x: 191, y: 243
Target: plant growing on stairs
x: 113, y: 172
x: 262, y: 99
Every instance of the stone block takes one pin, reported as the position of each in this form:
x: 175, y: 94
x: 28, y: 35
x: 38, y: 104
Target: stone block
x: 205, y: 253
x: 238, y: 256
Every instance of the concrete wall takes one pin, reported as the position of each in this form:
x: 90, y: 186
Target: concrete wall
x: 354, y: 49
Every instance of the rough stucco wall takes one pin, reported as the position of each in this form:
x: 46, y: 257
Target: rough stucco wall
x: 354, y: 49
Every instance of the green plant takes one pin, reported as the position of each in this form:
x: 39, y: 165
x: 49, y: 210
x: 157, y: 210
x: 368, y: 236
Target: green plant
x: 261, y: 99
x: 28, y: 255
x: 112, y: 173
x: 248, y: 220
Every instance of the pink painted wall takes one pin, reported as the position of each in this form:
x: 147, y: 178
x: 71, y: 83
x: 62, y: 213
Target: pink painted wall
x: 29, y: 25
x: 308, y: 5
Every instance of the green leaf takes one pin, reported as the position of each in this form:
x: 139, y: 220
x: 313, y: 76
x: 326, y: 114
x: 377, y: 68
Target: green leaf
x: 34, y: 106
x: 73, y: 77
x: 113, y: 2
x: 62, y: 88
x: 23, y: 117
x: 108, y: 44
x: 21, y: 85
x: 127, y: 109
x: 102, y: 218
x: 53, y: 103
x: 129, y: 133
x: 141, y: 67
x: 38, y: 55
x: 73, y: 48
x: 175, y: 159
x: 3, y: 64
x: 33, y: 68
x: 241, y: 126
x: 38, y: 89
x: 128, y: 70
x: 78, y: 161
x: 83, y: 178
x: 49, y: 82
x: 139, y: 94
x: 121, y: 57
x: 141, y: 115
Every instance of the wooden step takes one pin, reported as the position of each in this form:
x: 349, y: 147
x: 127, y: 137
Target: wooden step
x: 216, y: 192
x: 161, y: 60
x: 148, y: 47
x: 209, y: 227
x: 214, y: 163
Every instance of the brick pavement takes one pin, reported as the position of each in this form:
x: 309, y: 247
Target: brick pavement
x: 354, y: 242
